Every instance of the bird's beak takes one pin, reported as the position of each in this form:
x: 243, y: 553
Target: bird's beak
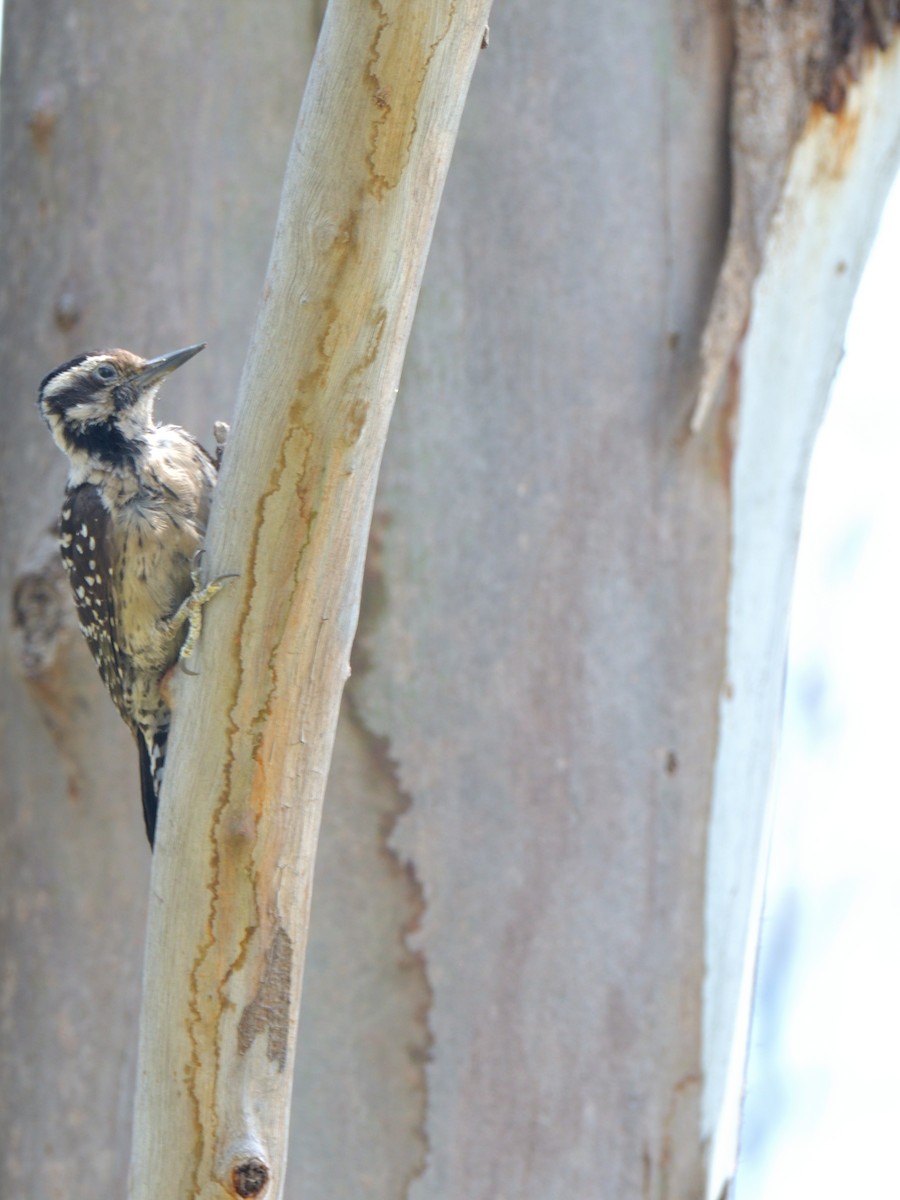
x: 157, y: 369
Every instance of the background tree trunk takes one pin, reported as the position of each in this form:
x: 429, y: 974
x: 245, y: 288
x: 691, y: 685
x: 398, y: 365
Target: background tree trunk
x: 142, y: 157
x: 533, y: 922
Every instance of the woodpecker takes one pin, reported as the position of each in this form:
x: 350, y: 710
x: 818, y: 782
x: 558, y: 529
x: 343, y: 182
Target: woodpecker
x: 131, y: 533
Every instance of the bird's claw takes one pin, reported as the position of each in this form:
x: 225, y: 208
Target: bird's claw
x: 221, y: 429
x: 191, y: 609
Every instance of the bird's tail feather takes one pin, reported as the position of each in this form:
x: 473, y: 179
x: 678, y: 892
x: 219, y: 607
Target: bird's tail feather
x: 152, y: 755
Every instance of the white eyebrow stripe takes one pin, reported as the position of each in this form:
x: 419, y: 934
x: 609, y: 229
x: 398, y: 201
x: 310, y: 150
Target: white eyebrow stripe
x: 60, y: 383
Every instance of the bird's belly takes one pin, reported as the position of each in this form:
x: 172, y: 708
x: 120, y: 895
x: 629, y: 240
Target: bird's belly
x: 154, y: 564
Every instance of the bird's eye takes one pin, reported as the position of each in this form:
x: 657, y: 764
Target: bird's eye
x: 105, y: 373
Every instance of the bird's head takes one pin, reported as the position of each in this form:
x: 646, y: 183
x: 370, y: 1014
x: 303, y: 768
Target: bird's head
x: 99, y: 406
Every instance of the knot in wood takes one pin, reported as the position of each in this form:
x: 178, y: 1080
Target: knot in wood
x: 38, y: 618
x: 250, y: 1177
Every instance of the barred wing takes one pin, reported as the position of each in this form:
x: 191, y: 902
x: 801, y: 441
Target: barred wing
x: 85, y: 543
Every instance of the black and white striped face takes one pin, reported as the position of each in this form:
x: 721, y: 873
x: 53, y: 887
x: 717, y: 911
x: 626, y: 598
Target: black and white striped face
x: 99, y: 406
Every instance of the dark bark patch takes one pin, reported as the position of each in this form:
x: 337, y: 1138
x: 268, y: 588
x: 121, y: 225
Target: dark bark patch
x: 38, y: 614
x: 67, y: 310
x: 854, y: 25
x: 269, y: 1010
x: 44, y: 117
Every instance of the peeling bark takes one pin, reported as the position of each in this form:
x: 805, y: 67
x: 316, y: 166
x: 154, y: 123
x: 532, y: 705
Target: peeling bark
x: 790, y: 58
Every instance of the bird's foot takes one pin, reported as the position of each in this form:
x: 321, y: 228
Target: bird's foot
x: 190, y: 611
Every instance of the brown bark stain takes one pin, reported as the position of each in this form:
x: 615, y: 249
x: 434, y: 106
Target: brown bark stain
x: 203, y: 1031
x: 44, y: 118
x: 411, y: 962
x: 836, y: 162
x: 293, y: 457
x: 355, y: 421
x: 67, y: 311
x: 269, y: 1010
x: 193, y: 1069
x: 291, y: 471
x: 47, y: 647
x: 340, y: 248
x: 686, y: 1091
x: 358, y: 409
x: 238, y: 963
x: 340, y: 251
x: 393, y: 125
x: 728, y: 416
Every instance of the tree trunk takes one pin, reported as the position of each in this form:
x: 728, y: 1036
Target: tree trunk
x: 252, y: 733
x: 567, y: 684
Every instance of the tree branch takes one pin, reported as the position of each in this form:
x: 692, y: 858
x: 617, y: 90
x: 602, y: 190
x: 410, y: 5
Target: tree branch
x: 252, y: 738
